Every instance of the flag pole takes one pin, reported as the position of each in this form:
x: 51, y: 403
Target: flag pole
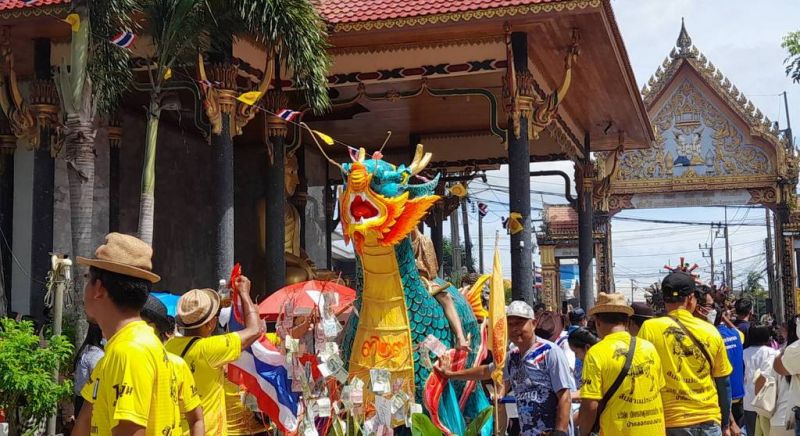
x: 496, y: 411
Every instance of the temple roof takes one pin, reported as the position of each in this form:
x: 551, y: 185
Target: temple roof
x: 560, y: 219
x: 350, y: 11
x: 685, y: 53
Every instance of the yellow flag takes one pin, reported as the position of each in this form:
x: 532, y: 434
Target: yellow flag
x: 515, y: 223
x: 249, y: 98
x: 168, y: 74
x: 325, y: 138
x: 74, y: 20
x: 498, y: 329
x: 458, y: 190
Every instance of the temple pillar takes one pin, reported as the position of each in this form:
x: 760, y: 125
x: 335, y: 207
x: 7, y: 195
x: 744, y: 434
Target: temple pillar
x: 43, y: 189
x: 519, y: 174
x: 584, y: 171
x: 550, y: 280
x: 114, y: 144
x: 330, y: 223
x: 8, y: 144
x: 437, y: 227
x: 602, y: 249
x: 784, y: 250
x: 274, y: 188
x: 222, y: 195
x: 300, y: 197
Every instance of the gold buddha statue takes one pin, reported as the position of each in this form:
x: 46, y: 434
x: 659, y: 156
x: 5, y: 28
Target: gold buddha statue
x: 299, y: 267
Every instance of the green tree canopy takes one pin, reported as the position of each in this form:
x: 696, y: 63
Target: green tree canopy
x: 791, y: 43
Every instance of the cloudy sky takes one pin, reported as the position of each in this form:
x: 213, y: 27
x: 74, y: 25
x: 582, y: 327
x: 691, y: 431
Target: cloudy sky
x: 742, y: 39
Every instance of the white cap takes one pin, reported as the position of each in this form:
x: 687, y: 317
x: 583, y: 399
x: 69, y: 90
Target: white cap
x: 520, y: 309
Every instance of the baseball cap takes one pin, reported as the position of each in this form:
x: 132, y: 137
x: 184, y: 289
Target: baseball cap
x: 520, y: 309
x: 678, y: 284
x: 577, y: 315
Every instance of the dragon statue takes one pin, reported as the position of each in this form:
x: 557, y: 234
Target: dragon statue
x: 394, y: 311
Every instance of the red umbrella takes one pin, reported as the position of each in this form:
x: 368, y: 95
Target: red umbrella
x: 305, y: 295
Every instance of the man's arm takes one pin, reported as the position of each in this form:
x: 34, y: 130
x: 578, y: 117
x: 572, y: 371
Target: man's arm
x: 195, y: 419
x: 587, y: 416
x: 724, y: 399
x: 481, y: 372
x: 127, y: 428
x: 84, y: 421
x: 563, y: 412
x: 777, y: 365
x: 253, y: 327
x: 446, y: 301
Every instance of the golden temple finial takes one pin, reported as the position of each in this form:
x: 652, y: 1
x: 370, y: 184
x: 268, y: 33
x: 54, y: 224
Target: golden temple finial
x: 684, y: 42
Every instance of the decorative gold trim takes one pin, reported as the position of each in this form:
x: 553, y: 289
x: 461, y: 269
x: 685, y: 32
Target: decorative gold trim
x: 36, y: 11
x: 693, y: 184
x: 508, y: 11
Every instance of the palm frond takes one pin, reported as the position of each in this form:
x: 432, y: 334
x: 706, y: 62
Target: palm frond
x: 109, y: 65
x: 179, y: 29
x: 296, y: 29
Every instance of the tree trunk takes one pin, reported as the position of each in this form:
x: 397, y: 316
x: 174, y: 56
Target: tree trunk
x: 79, y: 146
x: 147, y: 203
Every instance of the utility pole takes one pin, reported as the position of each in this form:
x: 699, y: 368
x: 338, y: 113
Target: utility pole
x: 482, y: 210
x: 710, y: 249
x: 467, y: 239
x: 770, y: 258
x: 632, y: 288
x: 728, y: 266
x: 455, y: 243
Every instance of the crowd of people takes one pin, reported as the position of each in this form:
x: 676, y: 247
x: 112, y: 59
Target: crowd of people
x: 700, y: 366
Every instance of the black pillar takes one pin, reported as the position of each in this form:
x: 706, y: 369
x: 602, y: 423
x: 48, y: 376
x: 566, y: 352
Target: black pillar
x: 585, y: 226
x: 520, y: 186
x: 437, y: 230
x: 6, y: 220
x: 274, y: 190
x: 222, y: 198
x: 43, y: 186
x: 467, y: 240
x: 300, y: 197
x: 113, y: 188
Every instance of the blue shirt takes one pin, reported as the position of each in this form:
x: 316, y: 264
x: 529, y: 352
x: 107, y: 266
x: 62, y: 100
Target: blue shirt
x: 735, y: 349
x: 536, y: 376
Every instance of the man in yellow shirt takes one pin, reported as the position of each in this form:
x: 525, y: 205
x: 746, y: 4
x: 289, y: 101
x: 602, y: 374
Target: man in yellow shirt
x: 155, y: 315
x: 634, y: 408
x: 207, y: 355
x: 132, y: 389
x: 697, y: 394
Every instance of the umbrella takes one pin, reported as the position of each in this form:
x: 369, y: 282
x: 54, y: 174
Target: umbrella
x: 169, y: 300
x: 305, y: 295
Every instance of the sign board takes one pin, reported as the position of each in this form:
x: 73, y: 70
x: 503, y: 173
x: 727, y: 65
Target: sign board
x: 562, y: 252
x: 689, y: 199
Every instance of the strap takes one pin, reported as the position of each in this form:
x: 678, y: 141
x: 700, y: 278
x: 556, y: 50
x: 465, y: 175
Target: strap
x: 188, y: 346
x: 694, y: 341
x: 615, y: 386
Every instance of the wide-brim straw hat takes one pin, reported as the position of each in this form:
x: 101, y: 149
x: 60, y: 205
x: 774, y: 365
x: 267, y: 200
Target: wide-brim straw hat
x: 197, y: 307
x: 126, y: 255
x: 611, y: 303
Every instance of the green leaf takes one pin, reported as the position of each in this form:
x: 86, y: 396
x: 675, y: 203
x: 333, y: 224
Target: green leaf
x: 474, y: 427
x: 421, y: 425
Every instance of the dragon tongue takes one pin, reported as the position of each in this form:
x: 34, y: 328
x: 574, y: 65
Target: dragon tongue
x: 362, y: 209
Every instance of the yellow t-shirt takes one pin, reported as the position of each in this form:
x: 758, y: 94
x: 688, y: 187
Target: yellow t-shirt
x: 188, y: 397
x: 134, y: 381
x: 690, y: 394
x: 206, y: 359
x: 635, y: 409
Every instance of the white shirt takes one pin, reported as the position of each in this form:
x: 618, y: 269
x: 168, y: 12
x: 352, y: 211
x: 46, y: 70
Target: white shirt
x: 756, y: 358
x: 791, y: 361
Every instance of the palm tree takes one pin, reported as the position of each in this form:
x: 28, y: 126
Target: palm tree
x: 89, y: 85
x: 180, y: 29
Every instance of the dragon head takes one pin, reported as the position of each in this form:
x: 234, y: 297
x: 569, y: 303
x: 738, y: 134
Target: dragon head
x: 378, y: 203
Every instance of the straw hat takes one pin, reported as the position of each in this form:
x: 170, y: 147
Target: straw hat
x: 197, y: 307
x: 124, y: 254
x: 611, y: 303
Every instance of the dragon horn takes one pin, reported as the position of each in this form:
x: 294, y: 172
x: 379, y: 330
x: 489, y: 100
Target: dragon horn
x: 314, y: 137
x: 421, y: 160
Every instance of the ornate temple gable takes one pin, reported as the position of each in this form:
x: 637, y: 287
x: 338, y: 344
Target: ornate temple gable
x: 713, y: 146
x: 686, y: 53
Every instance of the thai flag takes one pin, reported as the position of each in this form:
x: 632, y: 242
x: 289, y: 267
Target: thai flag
x: 262, y: 372
x: 124, y: 39
x: 288, y: 114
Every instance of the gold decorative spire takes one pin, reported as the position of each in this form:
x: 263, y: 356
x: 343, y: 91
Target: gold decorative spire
x: 684, y: 42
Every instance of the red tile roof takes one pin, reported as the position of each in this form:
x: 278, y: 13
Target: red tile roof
x: 561, y: 218
x: 351, y: 11
x: 19, y: 4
